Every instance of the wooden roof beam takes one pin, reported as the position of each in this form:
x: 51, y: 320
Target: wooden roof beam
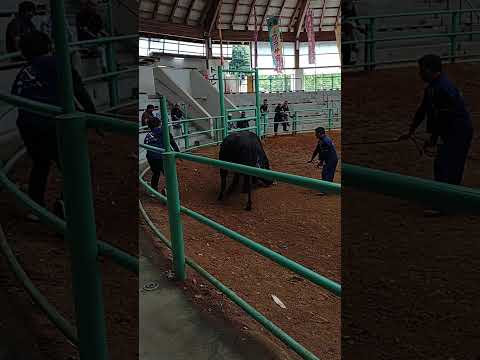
x: 155, y: 9
x: 323, y: 13
x: 254, y: 3
x: 265, y: 13
x: 234, y: 12
x: 292, y: 20
x: 189, y: 11
x: 173, y: 10
x: 215, y: 16
x: 301, y: 14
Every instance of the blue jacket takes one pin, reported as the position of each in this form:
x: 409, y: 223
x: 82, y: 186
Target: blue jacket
x: 326, y: 150
x: 444, y: 108
x: 155, y: 138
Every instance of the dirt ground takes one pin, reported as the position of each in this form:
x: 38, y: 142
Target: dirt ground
x: 287, y: 219
x: 44, y: 255
x: 410, y: 283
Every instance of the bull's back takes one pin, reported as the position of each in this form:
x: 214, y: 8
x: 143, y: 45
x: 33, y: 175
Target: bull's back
x: 241, y: 148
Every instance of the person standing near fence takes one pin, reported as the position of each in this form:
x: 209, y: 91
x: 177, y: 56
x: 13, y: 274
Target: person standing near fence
x: 22, y: 24
x: 155, y: 159
x: 327, y: 155
x: 148, y: 115
x: 177, y: 116
x: 37, y: 81
x: 447, y: 119
x: 242, y: 124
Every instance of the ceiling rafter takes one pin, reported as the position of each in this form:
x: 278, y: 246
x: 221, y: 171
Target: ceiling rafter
x: 254, y: 3
x: 174, y: 8
x: 292, y: 19
x: 301, y: 14
x: 155, y: 9
x: 323, y: 13
x: 215, y: 17
x: 189, y: 11
x: 281, y: 8
x: 234, y: 12
x: 265, y: 13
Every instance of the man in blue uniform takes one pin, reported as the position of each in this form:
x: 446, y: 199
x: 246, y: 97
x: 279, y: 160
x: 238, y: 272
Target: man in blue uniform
x: 37, y: 81
x: 447, y: 119
x: 327, y: 154
x: 154, y: 158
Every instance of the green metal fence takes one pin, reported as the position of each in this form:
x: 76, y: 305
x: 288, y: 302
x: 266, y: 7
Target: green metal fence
x: 370, y: 40
x: 175, y: 210
x: 89, y: 332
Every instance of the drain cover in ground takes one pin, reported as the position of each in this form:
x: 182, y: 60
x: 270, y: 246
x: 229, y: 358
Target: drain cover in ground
x: 152, y: 285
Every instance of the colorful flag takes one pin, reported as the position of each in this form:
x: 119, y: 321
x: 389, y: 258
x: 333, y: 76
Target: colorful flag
x: 276, y: 44
x: 311, y: 36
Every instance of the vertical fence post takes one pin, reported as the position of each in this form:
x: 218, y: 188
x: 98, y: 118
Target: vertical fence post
x: 372, y: 46
x: 223, y: 119
x: 453, y: 29
x: 330, y: 118
x: 366, y: 49
x: 111, y: 58
x: 265, y: 123
x: 185, y: 134
x: 257, y: 103
x: 80, y: 219
x: 173, y: 198
x: 295, y: 121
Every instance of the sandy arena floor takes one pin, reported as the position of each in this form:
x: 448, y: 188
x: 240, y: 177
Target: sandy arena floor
x: 411, y: 282
x: 287, y: 219
x: 44, y: 256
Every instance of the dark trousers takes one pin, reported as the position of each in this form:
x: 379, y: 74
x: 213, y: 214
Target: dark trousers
x: 43, y: 150
x: 156, y: 165
x: 450, y: 161
x: 277, y: 122
x: 328, y: 171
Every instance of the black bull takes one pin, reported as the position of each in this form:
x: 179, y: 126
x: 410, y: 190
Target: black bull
x: 245, y: 148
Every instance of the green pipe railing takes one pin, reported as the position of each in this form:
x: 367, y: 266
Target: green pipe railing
x: 175, y: 224
x: 370, y: 41
x: 255, y: 314
x: 79, y: 228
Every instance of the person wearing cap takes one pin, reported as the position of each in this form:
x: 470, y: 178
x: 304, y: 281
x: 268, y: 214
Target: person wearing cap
x: 327, y: 154
x: 242, y: 124
x: 155, y: 159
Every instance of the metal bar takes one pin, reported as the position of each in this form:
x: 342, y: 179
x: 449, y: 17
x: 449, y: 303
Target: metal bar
x: 110, y: 74
x: 281, y: 260
x: 103, y: 40
x: 250, y: 310
x: 111, y: 58
x: 308, y: 183
x: 173, y: 202
x: 440, y: 195
x: 223, y: 112
x: 111, y: 124
x: 452, y: 38
x: 413, y: 37
x: 246, y: 108
x: 81, y: 231
x: 55, y: 317
x: 420, y: 13
x: 257, y: 103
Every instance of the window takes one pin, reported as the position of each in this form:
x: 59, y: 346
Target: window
x: 226, y: 49
x: 165, y: 46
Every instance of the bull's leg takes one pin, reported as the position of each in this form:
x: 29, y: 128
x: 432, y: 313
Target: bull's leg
x: 234, y: 184
x: 223, y: 176
x: 247, y: 188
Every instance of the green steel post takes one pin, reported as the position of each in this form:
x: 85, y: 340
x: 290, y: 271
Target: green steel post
x: 330, y: 115
x: 80, y: 232
x: 453, y: 37
x: 366, y: 52
x: 173, y: 199
x: 265, y: 123
x: 185, y: 133
x: 257, y: 103
x: 270, y: 80
x: 295, y: 120
x: 111, y: 58
x: 223, y: 119
x: 372, y: 43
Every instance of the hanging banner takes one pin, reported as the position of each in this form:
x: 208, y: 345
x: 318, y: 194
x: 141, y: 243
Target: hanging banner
x: 310, y: 36
x: 276, y: 45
